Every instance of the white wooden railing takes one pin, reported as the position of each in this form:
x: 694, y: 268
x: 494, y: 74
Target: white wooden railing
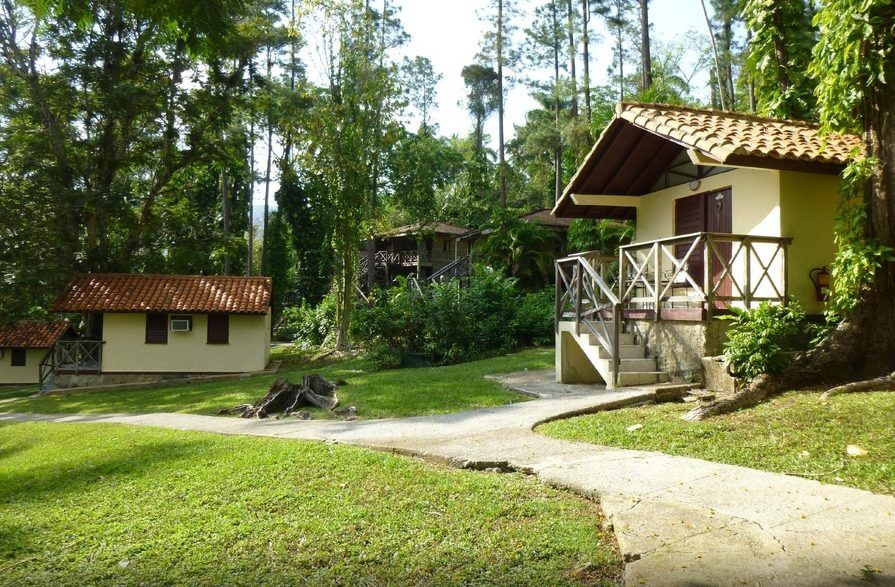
x: 704, y: 270
x: 584, y: 296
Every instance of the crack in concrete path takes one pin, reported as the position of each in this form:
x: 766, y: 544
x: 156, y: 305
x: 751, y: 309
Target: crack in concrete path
x: 757, y: 528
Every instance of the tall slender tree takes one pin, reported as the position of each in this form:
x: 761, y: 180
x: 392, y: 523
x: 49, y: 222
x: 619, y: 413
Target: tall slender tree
x: 779, y: 54
x: 646, y: 68
x: 585, y: 58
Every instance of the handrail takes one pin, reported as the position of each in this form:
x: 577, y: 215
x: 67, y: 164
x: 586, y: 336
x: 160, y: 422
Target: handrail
x: 579, y: 284
x: 449, y: 268
x: 78, y: 355
x: 719, y: 236
x: 46, y: 368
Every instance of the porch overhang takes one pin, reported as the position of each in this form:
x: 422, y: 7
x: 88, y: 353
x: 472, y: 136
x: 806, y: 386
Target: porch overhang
x: 646, y: 141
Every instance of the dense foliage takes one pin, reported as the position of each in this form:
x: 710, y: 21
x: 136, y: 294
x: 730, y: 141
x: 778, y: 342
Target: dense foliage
x: 758, y: 339
x: 448, y: 324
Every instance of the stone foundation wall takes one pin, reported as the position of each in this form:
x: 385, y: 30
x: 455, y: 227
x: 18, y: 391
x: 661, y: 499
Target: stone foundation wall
x: 679, y: 346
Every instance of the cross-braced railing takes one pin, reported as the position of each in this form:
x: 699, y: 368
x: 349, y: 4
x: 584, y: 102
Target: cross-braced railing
x: 704, y: 270
x: 79, y: 355
x: 584, y: 296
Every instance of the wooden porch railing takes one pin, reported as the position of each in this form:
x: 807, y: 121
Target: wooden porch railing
x: 457, y: 269
x: 79, y: 355
x: 584, y: 296
x: 704, y: 270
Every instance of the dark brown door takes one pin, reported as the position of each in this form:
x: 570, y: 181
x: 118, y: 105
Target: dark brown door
x: 689, y: 217
x: 719, y: 219
x: 711, y: 212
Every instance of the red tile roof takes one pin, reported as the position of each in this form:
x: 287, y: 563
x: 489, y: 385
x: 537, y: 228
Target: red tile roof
x: 544, y: 218
x: 32, y: 334
x: 723, y: 134
x: 433, y: 227
x: 123, y: 292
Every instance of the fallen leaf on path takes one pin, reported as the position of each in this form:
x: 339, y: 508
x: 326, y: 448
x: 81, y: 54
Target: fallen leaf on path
x: 634, y: 427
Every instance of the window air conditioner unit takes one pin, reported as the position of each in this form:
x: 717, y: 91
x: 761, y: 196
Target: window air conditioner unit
x: 181, y: 324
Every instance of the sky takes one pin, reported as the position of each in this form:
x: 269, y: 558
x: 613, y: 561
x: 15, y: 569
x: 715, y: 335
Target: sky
x: 448, y: 32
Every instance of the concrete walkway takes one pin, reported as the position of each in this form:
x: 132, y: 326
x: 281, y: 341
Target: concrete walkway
x: 679, y: 521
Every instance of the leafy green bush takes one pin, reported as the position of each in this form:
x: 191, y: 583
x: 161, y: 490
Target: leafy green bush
x: 450, y: 324
x: 758, y: 338
x: 308, y: 326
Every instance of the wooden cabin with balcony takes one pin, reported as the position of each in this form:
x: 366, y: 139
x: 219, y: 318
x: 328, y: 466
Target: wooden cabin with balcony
x: 425, y: 251
x: 730, y: 210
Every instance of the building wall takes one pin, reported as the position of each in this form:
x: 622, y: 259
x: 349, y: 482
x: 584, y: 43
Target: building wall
x: 809, y: 205
x: 125, y: 349
x: 802, y: 206
x: 756, y: 204
x: 30, y: 373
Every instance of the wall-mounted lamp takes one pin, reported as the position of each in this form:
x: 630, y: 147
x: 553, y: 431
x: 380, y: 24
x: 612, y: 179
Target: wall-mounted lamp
x: 694, y: 185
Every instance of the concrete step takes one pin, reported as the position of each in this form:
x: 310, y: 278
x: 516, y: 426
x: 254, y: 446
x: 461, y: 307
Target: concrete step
x: 631, y: 378
x: 628, y: 351
x: 625, y: 339
x: 635, y: 365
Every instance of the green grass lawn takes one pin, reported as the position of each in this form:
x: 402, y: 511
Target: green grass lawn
x: 793, y: 433
x: 97, y: 503
x: 376, y: 394
x: 15, y: 391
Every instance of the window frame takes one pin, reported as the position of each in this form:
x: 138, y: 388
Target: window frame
x: 152, y: 334
x: 20, y: 353
x: 214, y: 336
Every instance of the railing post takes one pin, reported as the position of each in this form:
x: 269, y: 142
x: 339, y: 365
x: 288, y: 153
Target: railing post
x: 617, y: 314
x: 657, y: 281
x: 621, y: 275
x: 557, y: 297
x: 747, y: 245
x: 707, y: 262
x: 578, y: 290
x: 785, y: 246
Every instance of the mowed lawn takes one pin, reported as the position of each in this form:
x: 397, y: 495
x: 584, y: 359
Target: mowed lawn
x: 794, y: 433
x: 376, y: 394
x: 82, y: 504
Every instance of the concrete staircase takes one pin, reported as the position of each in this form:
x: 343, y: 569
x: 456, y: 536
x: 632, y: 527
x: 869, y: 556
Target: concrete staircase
x: 634, y: 367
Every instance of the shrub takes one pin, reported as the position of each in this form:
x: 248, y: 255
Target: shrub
x: 758, y: 338
x: 308, y: 326
x: 451, y: 324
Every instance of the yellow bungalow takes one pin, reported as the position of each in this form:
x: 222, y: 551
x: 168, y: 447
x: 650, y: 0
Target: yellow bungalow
x: 148, y: 327
x: 730, y: 210
x: 24, y: 345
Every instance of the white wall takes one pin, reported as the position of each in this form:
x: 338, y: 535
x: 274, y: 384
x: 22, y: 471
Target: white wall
x: 30, y: 373
x: 125, y: 349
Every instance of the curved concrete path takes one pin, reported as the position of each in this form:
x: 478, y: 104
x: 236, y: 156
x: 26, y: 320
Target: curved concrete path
x: 679, y: 521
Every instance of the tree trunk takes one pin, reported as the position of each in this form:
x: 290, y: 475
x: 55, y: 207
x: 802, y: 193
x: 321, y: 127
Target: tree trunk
x: 863, y: 345
x: 347, y: 288
x: 570, y: 14
x: 781, y: 52
x: 645, y: 57
x: 250, y: 257
x: 225, y: 214
x: 585, y: 41
x: 557, y: 155
x: 718, y: 76
x: 501, y: 172
x: 265, y: 236
x: 621, y: 62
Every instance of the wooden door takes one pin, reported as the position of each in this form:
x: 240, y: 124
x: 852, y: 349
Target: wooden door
x: 689, y: 217
x: 710, y: 212
x: 719, y: 219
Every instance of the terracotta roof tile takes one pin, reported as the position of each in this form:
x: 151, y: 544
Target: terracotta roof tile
x: 32, y: 334
x: 122, y: 292
x: 544, y: 218
x: 722, y: 134
x: 434, y: 227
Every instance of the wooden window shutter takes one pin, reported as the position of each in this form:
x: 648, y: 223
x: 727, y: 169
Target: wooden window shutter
x: 218, y: 329
x: 156, y: 328
x: 18, y: 357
